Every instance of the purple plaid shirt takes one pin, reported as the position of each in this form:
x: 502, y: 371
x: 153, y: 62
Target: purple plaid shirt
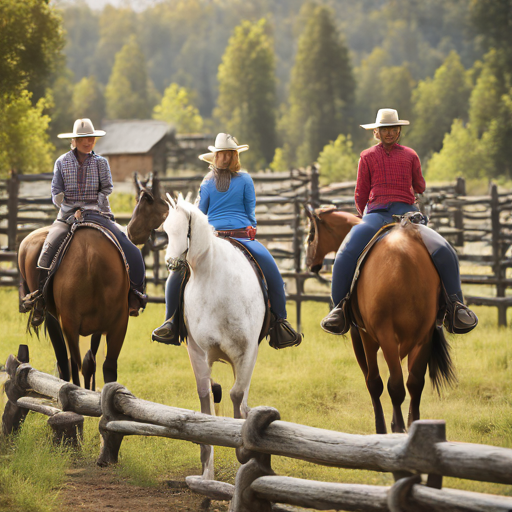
x: 84, y: 185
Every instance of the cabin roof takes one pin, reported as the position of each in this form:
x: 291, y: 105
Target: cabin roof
x: 131, y: 136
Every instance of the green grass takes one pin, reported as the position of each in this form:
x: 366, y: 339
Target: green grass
x: 317, y: 384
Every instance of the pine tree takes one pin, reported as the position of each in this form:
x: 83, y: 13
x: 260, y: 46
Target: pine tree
x: 321, y: 88
x: 126, y: 94
x: 88, y: 100
x: 437, y: 102
x: 246, y: 105
x: 177, y: 109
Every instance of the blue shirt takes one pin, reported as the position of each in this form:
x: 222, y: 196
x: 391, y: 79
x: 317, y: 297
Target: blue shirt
x: 233, y: 209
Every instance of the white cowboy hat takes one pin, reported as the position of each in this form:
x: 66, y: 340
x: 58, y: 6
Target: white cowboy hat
x: 385, y: 117
x: 82, y: 128
x: 223, y: 142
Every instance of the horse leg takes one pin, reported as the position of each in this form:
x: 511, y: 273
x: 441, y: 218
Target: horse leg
x: 242, y: 370
x: 89, y: 363
x: 396, y: 388
x: 59, y: 346
x: 417, y: 363
x: 202, y: 373
x: 357, y: 345
x: 374, y: 382
x: 115, y: 340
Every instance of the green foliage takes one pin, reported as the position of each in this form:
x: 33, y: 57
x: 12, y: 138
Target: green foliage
x: 247, y: 101
x: 117, y: 27
x: 24, y: 126
x: 122, y: 202
x: 321, y: 87
x: 126, y: 94
x: 178, y: 110
x: 280, y: 160
x: 82, y: 39
x: 88, y: 100
x: 437, y: 102
x: 31, y: 39
x: 338, y: 161
x: 60, y: 107
x: 462, y: 154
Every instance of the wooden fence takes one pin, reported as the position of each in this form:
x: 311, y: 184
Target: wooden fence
x: 423, y: 451
x: 466, y: 221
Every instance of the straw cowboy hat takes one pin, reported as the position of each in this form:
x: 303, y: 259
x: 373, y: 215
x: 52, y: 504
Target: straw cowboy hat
x: 385, y: 117
x: 82, y: 128
x: 223, y: 142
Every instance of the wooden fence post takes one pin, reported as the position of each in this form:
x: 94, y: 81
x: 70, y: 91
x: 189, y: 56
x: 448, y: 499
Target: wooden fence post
x: 499, y: 270
x: 13, y: 186
x: 297, y: 252
x: 460, y: 190
x: 315, y: 186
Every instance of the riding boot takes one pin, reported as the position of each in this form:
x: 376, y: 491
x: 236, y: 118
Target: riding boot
x: 282, y: 334
x: 336, y: 322
x: 37, y: 317
x: 459, y: 318
x: 137, y: 300
x: 167, y: 333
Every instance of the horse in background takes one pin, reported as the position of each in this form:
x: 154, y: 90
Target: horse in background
x: 88, y: 297
x: 395, y: 306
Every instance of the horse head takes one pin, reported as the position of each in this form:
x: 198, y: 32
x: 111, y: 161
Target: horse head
x: 327, y: 229
x: 149, y: 213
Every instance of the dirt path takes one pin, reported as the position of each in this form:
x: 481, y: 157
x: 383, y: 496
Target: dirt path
x: 101, y: 490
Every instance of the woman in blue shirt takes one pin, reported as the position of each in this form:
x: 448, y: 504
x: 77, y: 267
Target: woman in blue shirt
x: 228, y: 198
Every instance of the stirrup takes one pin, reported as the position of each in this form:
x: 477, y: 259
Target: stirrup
x: 282, y: 334
x: 459, y: 318
x: 336, y: 322
x: 167, y: 333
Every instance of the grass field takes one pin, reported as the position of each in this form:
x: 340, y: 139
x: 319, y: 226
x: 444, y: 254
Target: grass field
x: 317, y: 384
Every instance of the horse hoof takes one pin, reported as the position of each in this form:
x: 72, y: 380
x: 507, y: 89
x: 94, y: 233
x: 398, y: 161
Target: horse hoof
x: 217, y: 393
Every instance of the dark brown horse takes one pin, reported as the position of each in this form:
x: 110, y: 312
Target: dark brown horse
x: 89, y: 296
x: 395, y: 307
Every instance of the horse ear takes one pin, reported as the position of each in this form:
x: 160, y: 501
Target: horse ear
x: 171, y: 201
x: 188, y: 196
x: 137, y: 183
x: 310, y: 212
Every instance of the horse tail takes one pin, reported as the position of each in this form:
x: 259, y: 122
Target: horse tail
x: 440, y: 365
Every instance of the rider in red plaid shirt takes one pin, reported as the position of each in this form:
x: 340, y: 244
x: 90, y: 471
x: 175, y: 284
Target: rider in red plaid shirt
x: 388, y: 176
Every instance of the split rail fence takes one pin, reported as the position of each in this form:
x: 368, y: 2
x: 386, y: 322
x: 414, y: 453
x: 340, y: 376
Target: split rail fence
x: 479, y: 227
x: 423, y: 451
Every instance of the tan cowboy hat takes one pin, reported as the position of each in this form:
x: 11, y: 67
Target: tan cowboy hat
x: 385, y: 117
x: 223, y: 142
x: 82, y: 128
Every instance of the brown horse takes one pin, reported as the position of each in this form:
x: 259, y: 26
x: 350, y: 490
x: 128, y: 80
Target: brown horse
x: 395, y: 306
x: 89, y: 296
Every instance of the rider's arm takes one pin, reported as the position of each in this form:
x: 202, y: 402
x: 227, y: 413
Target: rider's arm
x: 250, y: 200
x: 418, y: 181
x: 363, y: 186
x: 57, y: 184
x: 204, y: 198
x: 106, y: 185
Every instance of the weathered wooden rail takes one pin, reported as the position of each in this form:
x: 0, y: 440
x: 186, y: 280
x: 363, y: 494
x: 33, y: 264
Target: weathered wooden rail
x: 424, y: 451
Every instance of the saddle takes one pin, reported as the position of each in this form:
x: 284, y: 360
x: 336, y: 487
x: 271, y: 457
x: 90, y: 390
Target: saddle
x: 29, y: 301
x: 403, y: 220
x: 263, y: 284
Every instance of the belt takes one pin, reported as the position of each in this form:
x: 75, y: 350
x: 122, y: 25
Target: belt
x: 248, y: 232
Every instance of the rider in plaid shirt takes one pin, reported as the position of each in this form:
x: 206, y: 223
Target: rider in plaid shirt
x: 388, y: 176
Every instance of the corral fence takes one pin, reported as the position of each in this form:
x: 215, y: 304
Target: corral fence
x: 418, y: 460
x: 480, y: 227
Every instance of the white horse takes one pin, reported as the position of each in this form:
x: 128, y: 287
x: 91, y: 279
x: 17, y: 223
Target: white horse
x: 223, y: 306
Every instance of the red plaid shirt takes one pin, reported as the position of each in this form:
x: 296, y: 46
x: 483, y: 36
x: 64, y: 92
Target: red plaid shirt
x: 384, y: 178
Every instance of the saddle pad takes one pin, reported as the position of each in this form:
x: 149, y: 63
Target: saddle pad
x: 263, y: 283
x: 61, y: 252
